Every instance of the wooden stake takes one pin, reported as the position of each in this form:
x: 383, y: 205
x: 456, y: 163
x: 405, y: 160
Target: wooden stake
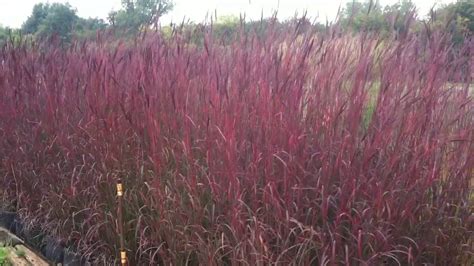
x: 123, y: 253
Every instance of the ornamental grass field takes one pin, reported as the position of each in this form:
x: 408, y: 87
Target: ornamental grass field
x: 279, y: 146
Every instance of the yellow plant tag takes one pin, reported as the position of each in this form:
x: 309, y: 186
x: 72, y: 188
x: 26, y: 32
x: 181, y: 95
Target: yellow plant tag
x: 119, y: 189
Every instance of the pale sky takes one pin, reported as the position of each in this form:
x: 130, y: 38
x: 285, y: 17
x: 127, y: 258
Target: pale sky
x: 14, y: 12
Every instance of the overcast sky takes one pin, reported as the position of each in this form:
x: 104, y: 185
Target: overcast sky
x: 14, y: 12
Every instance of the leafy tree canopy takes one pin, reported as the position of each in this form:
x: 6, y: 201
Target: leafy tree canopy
x: 7, y: 33
x: 32, y: 24
x: 60, y: 19
x: 136, y: 14
x: 86, y: 27
x: 367, y: 15
x: 465, y: 15
x: 457, y: 18
x: 3, y: 33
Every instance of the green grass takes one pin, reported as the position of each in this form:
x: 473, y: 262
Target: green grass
x: 4, y: 257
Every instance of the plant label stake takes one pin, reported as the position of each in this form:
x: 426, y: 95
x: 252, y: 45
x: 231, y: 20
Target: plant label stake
x: 123, y: 253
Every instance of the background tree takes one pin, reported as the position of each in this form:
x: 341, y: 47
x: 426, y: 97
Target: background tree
x: 49, y: 19
x: 136, y: 14
x: 226, y: 27
x: 465, y: 15
x: 457, y: 18
x: 400, y: 16
x: 8, y: 34
x: 88, y: 27
x: 32, y: 23
x: 62, y: 20
x: 367, y: 15
x: 3, y: 34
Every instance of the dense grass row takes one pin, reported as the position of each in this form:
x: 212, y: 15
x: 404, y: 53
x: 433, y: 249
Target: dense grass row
x: 293, y: 148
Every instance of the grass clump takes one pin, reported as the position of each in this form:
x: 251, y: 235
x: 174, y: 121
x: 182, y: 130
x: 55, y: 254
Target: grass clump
x: 4, y: 254
x: 271, y: 148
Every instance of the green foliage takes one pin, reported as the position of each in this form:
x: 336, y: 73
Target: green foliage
x: 398, y: 18
x: 372, y: 16
x: 3, y: 34
x: 137, y: 14
x: 32, y: 24
x: 7, y: 34
x: 457, y: 18
x: 465, y: 15
x: 366, y: 15
x: 4, y: 261
x: 48, y: 19
x: 226, y: 27
x: 398, y: 13
x: 88, y: 27
x: 61, y: 19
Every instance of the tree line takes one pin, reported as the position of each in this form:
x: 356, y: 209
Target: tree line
x: 135, y: 16
x: 62, y: 20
